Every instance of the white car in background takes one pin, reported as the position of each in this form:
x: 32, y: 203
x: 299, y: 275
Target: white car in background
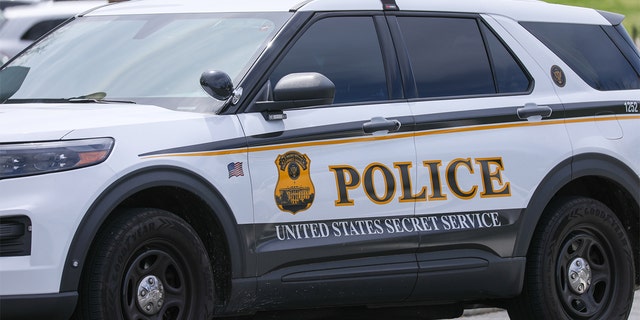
x: 12, y: 3
x: 24, y: 24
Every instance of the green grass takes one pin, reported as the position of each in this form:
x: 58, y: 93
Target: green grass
x: 630, y: 8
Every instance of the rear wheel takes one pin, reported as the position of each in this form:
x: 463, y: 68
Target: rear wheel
x: 579, y: 265
x: 147, y: 264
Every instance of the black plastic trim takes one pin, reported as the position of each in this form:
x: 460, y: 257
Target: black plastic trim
x: 406, y: 71
x: 235, y: 143
x: 589, y: 109
x: 613, y: 18
x: 54, y: 306
x: 600, y: 165
x: 444, y: 120
x: 392, y: 69
x: 354, y: 281
x: 161, y: 176
x: 314, y: 133
x: 15, y: 236
x: 466, y: 274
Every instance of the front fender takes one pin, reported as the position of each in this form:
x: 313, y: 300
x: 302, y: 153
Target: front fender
x: 159, y: 176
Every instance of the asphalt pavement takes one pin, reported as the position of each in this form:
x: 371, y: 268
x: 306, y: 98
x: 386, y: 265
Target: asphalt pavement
x: 498, y: 314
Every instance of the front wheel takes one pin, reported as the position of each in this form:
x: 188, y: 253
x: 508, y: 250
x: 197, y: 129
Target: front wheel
x: 579, y: 265
x: 147, y: 264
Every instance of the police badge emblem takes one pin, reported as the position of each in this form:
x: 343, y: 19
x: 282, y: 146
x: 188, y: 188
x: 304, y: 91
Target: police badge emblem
x: 558, y: 76
x: 294, y: 191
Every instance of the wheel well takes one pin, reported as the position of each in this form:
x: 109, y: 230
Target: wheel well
x: 201, y: 217
x: 618, y: 199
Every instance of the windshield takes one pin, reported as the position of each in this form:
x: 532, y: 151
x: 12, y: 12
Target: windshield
x: 150, y: 59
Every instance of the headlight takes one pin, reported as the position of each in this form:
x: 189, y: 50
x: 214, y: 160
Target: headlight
x: 43, y: 157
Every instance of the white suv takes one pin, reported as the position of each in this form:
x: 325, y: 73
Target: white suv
x: 172, y: 159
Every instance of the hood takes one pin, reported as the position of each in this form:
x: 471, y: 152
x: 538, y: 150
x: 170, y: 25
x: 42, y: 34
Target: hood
x: 47, y: 122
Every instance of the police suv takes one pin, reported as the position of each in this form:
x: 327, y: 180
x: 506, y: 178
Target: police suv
x: 171, y: 159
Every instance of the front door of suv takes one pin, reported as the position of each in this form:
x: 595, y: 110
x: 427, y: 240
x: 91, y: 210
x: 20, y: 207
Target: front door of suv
x: 486, y: 136
x: 332, y: 183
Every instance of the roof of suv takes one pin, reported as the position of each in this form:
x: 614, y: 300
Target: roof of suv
x: 520, y: 10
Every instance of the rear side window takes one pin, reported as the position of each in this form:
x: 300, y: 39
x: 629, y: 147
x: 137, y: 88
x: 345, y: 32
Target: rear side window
x: 590, y: 52
x: 459, y: 57
x: 509, y: 75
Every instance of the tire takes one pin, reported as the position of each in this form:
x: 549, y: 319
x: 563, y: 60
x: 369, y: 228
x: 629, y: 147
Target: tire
x: 579, y: 265
x: 147, y: 264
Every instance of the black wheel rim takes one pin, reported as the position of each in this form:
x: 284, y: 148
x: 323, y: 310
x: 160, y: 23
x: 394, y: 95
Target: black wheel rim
x: 156, y: 269
x: 584, y: 278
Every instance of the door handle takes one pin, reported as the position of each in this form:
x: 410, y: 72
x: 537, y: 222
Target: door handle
x: 532, y: 112
x: 381, y: 124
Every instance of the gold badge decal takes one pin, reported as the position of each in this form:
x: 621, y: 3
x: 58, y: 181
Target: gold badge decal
x: 558, y: 76
x: 294, y: 191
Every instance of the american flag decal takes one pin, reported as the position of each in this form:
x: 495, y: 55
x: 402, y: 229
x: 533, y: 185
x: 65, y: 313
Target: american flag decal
x: 235, y: 169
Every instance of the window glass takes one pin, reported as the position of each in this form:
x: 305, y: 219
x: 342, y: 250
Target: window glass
x: 151, y: 59
x: 589, y: 52
x: 347, y: 51
x: 447, y: 55
x: 40, y: 29
x: 510, y: 78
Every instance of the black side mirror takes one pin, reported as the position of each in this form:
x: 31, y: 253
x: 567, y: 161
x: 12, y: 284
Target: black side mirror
x: 217, y: 84
x: 305, y: 89
x: 297, y: 90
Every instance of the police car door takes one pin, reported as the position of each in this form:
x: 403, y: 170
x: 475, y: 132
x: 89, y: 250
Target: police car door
x: 328, y: 181
x: 486, y: 136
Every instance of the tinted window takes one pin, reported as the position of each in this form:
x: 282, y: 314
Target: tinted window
x: 344, y: 49
x: 589, y: 52
x: 508, y: 73
x: 447, y: 55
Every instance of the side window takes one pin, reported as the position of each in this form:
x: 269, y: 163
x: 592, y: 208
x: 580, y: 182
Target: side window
x: 510, y: 78
x: 590, y: 52
x: 347, y: 51
x: 449, y: 58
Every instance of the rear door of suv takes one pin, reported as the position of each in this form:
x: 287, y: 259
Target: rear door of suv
x: 488, y: 130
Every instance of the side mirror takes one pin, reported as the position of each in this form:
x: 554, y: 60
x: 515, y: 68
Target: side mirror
x: 299, y: 90
x: 217, y: 84
x: 305, y: 89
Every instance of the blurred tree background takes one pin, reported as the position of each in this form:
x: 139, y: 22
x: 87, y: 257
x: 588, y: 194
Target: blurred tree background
x: 630, y: 8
